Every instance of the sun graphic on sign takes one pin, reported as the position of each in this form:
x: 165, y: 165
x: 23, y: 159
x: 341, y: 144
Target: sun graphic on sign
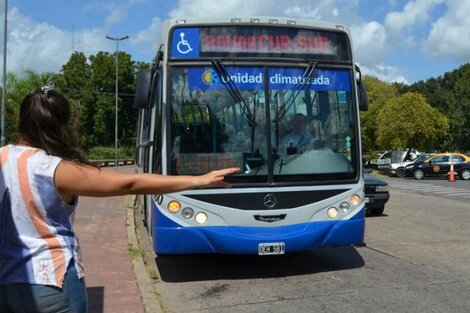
x: 209, y: 78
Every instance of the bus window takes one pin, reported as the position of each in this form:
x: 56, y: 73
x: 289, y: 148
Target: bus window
x: 206, y: 119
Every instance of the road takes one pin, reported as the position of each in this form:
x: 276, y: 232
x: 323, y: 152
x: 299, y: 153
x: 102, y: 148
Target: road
x: 416, y: 260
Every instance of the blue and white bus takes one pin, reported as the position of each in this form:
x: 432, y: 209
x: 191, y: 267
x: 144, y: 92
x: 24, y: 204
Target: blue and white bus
x: 279, y: 98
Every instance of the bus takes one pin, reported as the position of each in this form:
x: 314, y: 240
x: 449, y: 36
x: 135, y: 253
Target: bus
x: 280, y: 99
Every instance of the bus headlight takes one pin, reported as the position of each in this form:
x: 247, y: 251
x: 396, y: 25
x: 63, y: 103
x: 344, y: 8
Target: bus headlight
x: 332, y: 212
x: 187, y: 213
x: 344, y: 207
x: 201, y: 217
x: 355, y: 200
x: 174, y: 206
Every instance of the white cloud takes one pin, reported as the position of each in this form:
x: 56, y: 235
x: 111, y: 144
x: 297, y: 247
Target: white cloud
x: 414, y: 12
x: 369, y: 42
x: 148, y: 37
x: 45, y: 48
x: 385, y: 73
x: 327, y: 10
x: 450, y: 35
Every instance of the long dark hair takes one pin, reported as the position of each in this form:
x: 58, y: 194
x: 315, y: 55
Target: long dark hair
x: 44, y: 115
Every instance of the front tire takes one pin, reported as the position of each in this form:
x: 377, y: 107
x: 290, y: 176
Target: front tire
x: 377, y: 211
x: 400, y: 172
x: 465, y: 174
x: 418, y: 174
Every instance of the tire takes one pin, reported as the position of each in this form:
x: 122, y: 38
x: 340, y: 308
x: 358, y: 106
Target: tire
x: 465, y: 174
x: 418, y: 174
x: 377, y: 211
x: 400, y: 172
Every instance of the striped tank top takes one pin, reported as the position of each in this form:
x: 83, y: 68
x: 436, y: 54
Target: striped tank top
x: 36, y: 238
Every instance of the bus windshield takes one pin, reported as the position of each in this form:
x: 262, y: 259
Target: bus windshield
x: 278, y: 124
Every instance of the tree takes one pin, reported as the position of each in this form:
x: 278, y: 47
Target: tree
x: 77, y: 87
x: 450, y: 94
x: 17, y: 89
x: 408, y: 121
x: 103, y: 68
x: 378, y: 93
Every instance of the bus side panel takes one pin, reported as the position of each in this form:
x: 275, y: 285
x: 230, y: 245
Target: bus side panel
x: 171, y: 238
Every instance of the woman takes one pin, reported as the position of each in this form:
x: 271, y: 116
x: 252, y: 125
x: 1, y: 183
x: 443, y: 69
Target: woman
x: 41, y: 179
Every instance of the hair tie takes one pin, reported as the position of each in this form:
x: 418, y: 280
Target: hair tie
x: 48, y: 87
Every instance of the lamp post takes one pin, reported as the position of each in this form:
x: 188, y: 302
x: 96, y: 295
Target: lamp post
x: 116, y: 39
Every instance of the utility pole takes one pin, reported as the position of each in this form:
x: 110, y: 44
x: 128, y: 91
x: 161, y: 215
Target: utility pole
x: 4, y: 78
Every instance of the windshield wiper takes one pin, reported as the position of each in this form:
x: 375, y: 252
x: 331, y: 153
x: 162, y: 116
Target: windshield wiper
x: 301, y: 85
x: 234, y: 92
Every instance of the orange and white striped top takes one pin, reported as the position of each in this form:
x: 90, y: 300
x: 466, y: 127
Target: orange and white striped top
x: 37, y: 241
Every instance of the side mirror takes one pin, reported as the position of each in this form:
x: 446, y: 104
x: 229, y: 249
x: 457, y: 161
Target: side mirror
x: 363, y: 100
x: 361, y: 90
x: 142, y: 92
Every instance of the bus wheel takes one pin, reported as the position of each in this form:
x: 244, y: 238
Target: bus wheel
x: 419, y: 174
x: 400, y: 172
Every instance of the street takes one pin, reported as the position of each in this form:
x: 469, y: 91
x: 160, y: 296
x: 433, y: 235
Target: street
x: 415, y: 260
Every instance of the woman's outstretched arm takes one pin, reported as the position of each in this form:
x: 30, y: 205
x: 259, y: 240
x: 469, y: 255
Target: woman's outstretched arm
x: 77, y: 179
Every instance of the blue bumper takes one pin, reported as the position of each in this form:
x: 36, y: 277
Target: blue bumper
x: 171, y: 238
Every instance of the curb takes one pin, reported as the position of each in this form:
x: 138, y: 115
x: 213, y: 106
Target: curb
x: 146, y: 285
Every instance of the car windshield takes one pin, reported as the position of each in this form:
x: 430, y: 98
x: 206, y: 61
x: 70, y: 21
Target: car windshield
x: 227, y: 119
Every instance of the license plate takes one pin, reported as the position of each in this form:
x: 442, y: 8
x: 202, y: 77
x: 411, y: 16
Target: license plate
x: 367, y: 200
x: 269, y: 248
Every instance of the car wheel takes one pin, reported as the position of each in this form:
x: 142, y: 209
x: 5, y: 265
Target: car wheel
x: 419, y: 174
x: 400, y: 172
x: 465, y: 174
x: 377, y: 211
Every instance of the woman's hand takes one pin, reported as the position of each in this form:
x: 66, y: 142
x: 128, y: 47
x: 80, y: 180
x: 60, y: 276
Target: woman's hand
x: 216, y: 178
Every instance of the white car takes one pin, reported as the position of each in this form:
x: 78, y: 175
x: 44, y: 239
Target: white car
x: 396, y: 160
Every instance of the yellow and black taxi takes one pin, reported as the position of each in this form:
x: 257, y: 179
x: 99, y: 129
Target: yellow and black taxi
x: 439, y: 165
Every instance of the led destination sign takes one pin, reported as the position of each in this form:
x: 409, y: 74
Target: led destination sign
x: 193, y: 42
x: 267, y: 43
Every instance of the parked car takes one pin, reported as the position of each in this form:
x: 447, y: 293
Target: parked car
x: 396, y: 159
x: 439, y: 165
x: 398, y: 169
x: 376, y: 193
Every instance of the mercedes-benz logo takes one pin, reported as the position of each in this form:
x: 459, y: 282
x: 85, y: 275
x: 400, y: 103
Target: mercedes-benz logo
x: 269, y: 201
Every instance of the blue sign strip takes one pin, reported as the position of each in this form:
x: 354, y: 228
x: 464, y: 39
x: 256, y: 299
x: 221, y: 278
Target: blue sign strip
x: 252, y: 78
x: 245, y: 78
x: 321, y: 80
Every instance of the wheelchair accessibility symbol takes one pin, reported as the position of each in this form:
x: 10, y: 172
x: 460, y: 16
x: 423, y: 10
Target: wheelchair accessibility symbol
x: 183, y: 45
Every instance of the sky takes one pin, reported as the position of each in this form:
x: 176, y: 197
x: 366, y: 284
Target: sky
x: 394, y: 40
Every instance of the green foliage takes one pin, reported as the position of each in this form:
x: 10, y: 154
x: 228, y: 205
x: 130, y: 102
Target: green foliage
x: 90, y: 86
x: 450, y: 95
x: 109, y: 153
x: 378, y: 93
x: 408, y: 121
x: 17, y: 89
